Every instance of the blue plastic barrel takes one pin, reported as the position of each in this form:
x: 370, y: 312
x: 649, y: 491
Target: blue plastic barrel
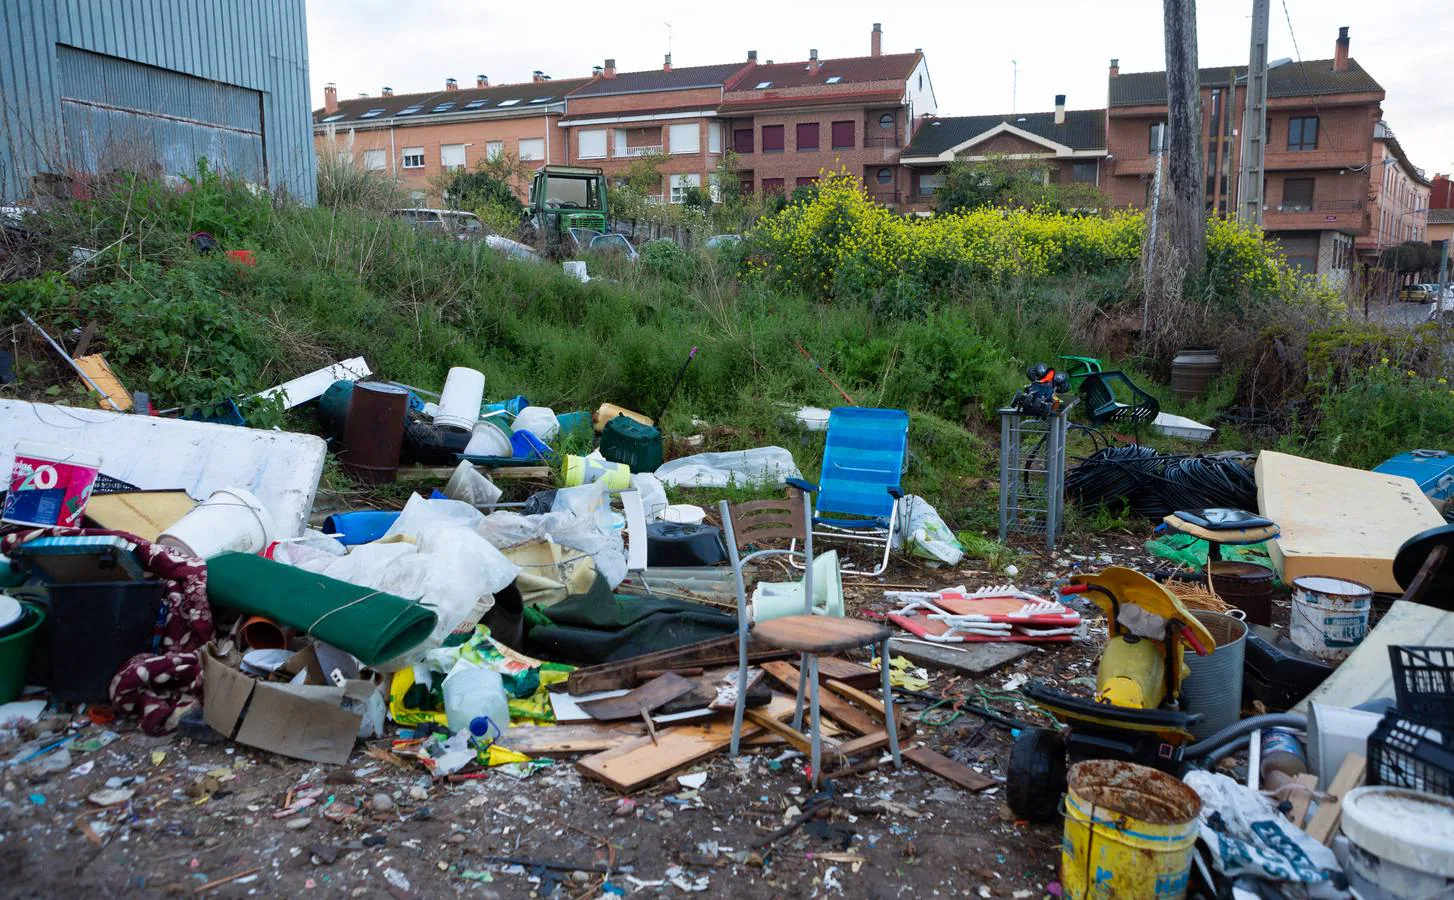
x: 361, y: 527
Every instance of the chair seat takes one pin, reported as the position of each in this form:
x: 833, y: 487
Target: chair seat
x: 819, y: 634
x: 878, y: 524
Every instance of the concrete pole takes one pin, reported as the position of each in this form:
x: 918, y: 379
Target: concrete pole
x: 1254, y: 122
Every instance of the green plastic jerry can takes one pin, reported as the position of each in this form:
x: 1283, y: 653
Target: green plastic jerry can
x: 625, y: 440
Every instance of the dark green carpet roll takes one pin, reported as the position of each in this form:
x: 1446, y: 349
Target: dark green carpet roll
x: 372, y: 625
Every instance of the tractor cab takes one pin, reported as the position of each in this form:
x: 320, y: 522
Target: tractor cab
x: 564, y: 198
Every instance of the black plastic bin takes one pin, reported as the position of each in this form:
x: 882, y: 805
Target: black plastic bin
x: 95, y: 626
x: 1408, y: 754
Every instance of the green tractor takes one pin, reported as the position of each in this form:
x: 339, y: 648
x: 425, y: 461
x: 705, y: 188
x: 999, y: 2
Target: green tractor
x: 565, y: 199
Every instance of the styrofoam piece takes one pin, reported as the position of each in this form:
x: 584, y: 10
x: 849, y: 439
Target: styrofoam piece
x: 280, y: 468
x: 312, y: 386
x: 1182, y: 427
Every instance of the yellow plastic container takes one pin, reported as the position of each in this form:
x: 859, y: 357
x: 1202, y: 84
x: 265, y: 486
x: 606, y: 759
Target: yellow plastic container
x: 579, y: 470
x: 1130, y: 831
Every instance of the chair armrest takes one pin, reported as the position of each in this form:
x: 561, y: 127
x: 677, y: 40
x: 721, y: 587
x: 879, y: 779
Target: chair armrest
x: 802, y: 485
x: 896, y: 492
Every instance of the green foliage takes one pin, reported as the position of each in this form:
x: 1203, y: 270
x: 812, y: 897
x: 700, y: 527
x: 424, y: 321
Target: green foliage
x: 1007, y: 182
x: 471, y: 190
x: 1410, y: 258
x: 668, y: 260
x: 1381, y: 411
x: 987, y: 551
x: 343, y: 182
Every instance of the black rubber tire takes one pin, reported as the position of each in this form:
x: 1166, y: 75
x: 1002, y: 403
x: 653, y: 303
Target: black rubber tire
x: 1035, y: 781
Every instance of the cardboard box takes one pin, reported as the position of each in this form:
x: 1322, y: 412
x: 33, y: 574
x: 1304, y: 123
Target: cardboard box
x: 312, y: 717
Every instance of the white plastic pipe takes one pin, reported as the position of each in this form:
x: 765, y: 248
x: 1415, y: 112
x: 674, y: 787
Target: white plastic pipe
x: 459, y: 403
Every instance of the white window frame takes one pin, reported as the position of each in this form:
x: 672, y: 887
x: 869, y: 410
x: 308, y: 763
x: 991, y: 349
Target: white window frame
x: 534, y: 142
x: 445, y: 150
x: 680, y: 183
x: 685, y: 129
x: 375, y: 160
x: 494, y: 149
x: 930, y: 180
x: 408, y: 153
x: 599, y: 139
x: 714, y: 138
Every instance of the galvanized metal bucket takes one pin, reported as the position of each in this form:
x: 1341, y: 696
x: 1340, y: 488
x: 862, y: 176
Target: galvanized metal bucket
x: 1214, y: 687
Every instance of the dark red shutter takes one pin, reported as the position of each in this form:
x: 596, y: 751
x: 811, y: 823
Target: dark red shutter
x: 807, y: 136
x: 742, y: 140
x: 842, y: 135
x: 772, y: 185
x: 772, y: 138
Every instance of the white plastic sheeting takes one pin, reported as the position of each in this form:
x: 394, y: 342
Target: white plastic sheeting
x: 758, y: 466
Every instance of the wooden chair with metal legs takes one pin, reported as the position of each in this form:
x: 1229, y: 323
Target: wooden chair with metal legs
x: 808, y: 634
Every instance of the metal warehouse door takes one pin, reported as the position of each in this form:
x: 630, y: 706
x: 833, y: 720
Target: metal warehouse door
x: 118, y: 114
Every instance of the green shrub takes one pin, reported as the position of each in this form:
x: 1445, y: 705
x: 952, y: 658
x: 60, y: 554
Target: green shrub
x: 668, y: 260
x: 1379, y: 412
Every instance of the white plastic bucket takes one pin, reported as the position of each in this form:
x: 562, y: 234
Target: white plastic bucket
x: 683, y: 514
x: 1329, y: 615
x: 539, y: 421
x: 459, y: 402
x: 490, y: 438
x: 49, y: 485
x: 231, y: 520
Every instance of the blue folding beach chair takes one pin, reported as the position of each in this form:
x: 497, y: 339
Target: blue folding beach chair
x: 859, y: 490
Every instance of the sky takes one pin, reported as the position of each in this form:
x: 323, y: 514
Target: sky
x: 973, y: 49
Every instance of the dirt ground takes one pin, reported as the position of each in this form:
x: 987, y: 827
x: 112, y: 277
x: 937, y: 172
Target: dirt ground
x: 204, y: 812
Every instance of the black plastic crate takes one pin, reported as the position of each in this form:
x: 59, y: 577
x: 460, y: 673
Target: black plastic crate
x: 1423, y: 683
x: 1404, y: 753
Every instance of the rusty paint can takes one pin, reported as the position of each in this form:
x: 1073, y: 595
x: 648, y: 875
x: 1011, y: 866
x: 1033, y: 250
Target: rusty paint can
x: 1130, y: 831
x: 374, y: 432
x: 1245, y: 585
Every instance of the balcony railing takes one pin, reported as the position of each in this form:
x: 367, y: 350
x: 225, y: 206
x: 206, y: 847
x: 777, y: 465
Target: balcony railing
x: 646, y: 150
x: 1322, y: 206
x: 885, y: 197
x: 881, y: 141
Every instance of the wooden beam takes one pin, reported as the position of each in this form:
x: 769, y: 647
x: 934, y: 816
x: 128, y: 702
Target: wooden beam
x: 534, y: 740
x: 795, y: 738
x: 1325, y: 821
x: 872, y: 704
x: 855, y: 719
x: 1301, y: 799
x: 947, y: 768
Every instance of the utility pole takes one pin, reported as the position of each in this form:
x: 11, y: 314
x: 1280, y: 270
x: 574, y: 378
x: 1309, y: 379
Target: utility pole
x: 1251, y: 173
x: 1014, y: 85
x: 1180, y: 248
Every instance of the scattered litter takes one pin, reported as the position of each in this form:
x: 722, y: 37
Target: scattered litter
x: 693, y: 781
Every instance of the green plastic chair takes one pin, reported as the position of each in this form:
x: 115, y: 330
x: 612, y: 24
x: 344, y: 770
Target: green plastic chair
x: 1099, y: 392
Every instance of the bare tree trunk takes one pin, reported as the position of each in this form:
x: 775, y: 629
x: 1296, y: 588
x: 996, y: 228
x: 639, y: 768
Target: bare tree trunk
x: 1179, y: 249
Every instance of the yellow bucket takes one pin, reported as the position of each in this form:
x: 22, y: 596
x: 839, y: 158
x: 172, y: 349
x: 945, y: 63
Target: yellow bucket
x: 579, y: 470
x: 1130, y: 831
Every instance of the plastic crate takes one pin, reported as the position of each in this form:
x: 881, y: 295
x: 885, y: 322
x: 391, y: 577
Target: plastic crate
x: 1423, y: 684
x: 1404, y: 753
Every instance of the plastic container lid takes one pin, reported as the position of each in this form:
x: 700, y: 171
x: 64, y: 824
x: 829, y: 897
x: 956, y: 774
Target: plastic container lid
x: 1410, y: 828
x: 10, y: 611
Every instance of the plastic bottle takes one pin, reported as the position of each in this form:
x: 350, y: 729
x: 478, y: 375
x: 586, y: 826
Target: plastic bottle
x: 471, y: 691
x: 1282, y: 758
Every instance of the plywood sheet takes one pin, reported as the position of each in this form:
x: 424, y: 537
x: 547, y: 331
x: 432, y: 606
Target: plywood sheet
x: 145, y: 514
x: 1366, y: 673
x: 281, y: 468
x: 1340, y: 522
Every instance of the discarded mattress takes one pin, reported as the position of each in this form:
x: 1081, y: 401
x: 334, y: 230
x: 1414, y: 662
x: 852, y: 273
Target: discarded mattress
x: 280, y: 468
x: 1339, y: 522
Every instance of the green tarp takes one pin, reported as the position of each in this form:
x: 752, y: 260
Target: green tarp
x: 372, y: 625
x: 597, y: 626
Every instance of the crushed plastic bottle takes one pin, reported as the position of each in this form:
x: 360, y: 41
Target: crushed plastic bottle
x: 471, y: 691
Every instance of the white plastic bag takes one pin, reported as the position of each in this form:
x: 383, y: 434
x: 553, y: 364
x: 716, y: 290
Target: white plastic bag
x: 758, y: 466
x: 653, y: 495
x: 1247, y: 836
x: 926, y: 535
x: 580, y: 519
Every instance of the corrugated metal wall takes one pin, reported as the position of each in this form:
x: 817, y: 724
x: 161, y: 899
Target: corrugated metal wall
x: 60, y: 106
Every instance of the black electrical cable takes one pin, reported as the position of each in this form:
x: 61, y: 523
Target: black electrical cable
x: 1154, y: 485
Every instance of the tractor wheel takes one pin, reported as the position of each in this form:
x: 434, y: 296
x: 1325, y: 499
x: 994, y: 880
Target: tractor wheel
x: 1036, y: 777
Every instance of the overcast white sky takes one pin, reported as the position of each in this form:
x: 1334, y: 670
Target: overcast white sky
x: 1062, y: 46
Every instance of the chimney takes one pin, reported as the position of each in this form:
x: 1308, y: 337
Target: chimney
x: 362, y: 94
x: 330, y: 97
x: 596, y: 71
x: 1059, y: 109
x: 451, y: 85
x: 610, y: 70
x: 1115, y: 67
x: 1340, y: 51
x: 386, y: 92
x: 537, y: 76
x: 813, y: 64
x: 876, y: 40
x: 666, y: 66
x: 752, y: 56
x: 482, y: 81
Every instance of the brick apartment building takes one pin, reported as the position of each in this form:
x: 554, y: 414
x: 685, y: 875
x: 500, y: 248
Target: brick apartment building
x: 619, y: 117
x: 790, y: 121
x: 1070, y: 145
x: 418, y: 136
x: 1326, y: 161
x: 1398, y: 196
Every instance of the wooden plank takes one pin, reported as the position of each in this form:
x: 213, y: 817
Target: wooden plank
x: 113, y: 393
x: 533, y: 740
x: 855, y: 719
x: 872, y: 704
x: 794, y: 737
x: 1325, y: 821
x: 639, y: 762
x: 1366, y: 674
x: 972, y: 659
x: 1339, y: 522
x: 819, y: 634
x: 725, y: 689
x: 848, y: 672
x: 1301, y: 799
x: 657, y: 692
x: 863, y: 744
x: 706, y: 654
x: 947, y: 768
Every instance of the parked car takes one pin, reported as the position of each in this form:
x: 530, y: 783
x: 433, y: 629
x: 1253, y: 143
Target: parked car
x: 1419, y: 293
x: 587, y: 241
x: 463, y: 225
x: 722, y: 240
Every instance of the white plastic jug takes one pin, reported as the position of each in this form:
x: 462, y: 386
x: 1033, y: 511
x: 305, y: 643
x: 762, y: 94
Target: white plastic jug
x: 471, y: 691
x: 539, y: 421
